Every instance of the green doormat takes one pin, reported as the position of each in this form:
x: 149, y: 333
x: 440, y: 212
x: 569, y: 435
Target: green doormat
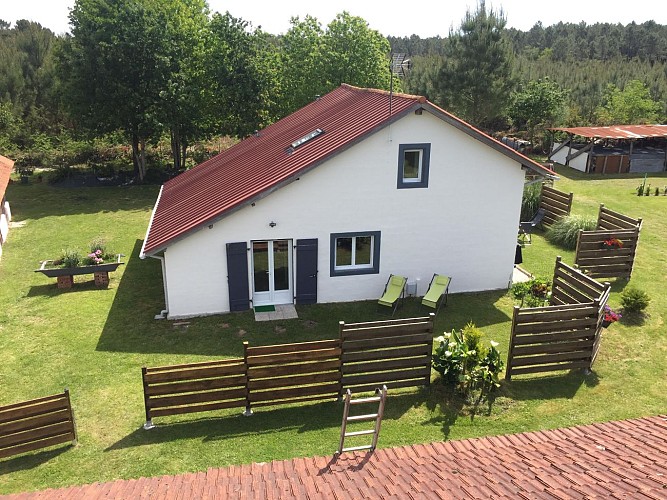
x: 262, y: 309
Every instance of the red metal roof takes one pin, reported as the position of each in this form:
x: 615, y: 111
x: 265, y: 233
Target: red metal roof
x: 6, y: 166
x: 618, y: 131
x: 623, y: 459
x: 263, y: 162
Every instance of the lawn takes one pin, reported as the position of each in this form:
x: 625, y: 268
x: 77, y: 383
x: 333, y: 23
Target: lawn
x: 95, y: 341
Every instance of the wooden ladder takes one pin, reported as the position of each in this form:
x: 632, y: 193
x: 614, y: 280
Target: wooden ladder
x: 380, y: 397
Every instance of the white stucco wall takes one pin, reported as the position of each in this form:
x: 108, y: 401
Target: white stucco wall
x: 463, y: 225
x: 578, y: 163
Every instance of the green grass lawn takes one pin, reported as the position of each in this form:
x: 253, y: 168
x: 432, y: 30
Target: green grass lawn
x: 95, y: 341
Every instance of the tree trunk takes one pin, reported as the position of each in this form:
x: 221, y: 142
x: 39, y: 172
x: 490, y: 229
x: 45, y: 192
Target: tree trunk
x: 176, y: 149
x: 138, y: 156
x: 184, y: 152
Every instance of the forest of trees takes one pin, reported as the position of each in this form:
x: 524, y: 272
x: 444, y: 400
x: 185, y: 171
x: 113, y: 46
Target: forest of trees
x: 143, y: 83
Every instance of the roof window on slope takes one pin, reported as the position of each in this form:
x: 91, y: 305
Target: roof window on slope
x: 306, y: 138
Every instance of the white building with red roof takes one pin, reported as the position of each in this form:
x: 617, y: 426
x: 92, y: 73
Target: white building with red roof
x: 325, y: 204
x: 6, y: 166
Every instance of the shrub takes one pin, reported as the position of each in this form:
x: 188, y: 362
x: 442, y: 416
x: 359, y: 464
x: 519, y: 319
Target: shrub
x: 70, y: 258
x: 530, y: 201
x: 465, y: 368
x: 532, y: 293
x: 634, y: 300
x: 564, y: 231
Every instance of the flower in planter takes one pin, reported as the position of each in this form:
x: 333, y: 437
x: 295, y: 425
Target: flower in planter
x: 612, y: 243
x: 610, y: 316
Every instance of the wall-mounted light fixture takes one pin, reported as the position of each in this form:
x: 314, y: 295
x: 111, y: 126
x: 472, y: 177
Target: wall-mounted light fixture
x: 272, y: 224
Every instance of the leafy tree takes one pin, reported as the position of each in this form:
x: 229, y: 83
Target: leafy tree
x: 302, y: 65
x: 240, y: 69
x: 632, y: 105
x: 314, y: 62
x: 475, y: 77
x: 118, y: 64
x: 356, y: 54
x: 536, y: 105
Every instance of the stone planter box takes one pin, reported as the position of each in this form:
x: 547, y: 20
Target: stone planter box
x: 65, y: 275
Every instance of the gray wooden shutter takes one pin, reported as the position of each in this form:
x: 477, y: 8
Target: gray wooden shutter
x: 306, y: 271
x: 237, y: 276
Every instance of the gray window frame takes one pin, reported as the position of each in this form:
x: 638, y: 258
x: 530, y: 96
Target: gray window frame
x: 425, y: 148
x: 375, y: 256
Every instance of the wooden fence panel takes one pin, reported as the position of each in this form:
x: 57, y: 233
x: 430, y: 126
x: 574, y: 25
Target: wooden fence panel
x: 291, y: 373
x: 395, y: 353
x: 610, y: 220
x: 564, y: 335
x: 194, y: 387
x: 36, y: 424
x: 556, y: 204
x: 597, y: 261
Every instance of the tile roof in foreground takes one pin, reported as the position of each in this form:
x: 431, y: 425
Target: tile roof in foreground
x: 274, y: 157
x: 622, y: 459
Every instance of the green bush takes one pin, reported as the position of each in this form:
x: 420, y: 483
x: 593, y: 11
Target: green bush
x: 532, y: 293
x: 70, y: 258
x: 634, y: 300
x: 530, y: 202
x: 465, y: 368
x: 564, y: 231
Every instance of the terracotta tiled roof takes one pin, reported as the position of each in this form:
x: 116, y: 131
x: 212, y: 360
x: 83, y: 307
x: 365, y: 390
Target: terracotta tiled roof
x: 6, y: 166
x: 261, y: 163
x: 623, y: 459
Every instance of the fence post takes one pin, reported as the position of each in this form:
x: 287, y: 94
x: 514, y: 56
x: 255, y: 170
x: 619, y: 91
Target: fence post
x: 248, y: 410
x: 431, y: 323
x: 597, y: 227
x: 71, y: 414
x: 576, y: 251
x: 341, y: 327
x: 510, y: 351
x: 149, y: 421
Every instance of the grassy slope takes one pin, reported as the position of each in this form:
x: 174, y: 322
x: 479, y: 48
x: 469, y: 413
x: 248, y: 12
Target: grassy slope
x: 95, y: 342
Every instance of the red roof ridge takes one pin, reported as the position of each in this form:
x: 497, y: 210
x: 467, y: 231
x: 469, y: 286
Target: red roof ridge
x: 419, y: 98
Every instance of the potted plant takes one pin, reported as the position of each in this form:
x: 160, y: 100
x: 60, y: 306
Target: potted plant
x: 98, y: 261
x: 610, y: 316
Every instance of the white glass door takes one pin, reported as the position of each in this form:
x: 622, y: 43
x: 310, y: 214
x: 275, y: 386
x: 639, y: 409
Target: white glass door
x: 272, y: 272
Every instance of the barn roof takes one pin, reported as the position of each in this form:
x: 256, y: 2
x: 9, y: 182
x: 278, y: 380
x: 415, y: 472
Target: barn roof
x: 617, y: 131
x: 622, y: 459
x: 280, y: 153
x: 6, y: 166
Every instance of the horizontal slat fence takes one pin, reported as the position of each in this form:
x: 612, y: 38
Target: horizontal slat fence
x: 293, y: 373
x: 555, y: 203
x: 597, y: 261
x: 194, y: 387
x: 611, y: 220
x: 564, y: 335
x: 395, y: 353
x: 36, y: 424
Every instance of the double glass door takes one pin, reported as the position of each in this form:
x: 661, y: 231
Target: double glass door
x: 272, y: 272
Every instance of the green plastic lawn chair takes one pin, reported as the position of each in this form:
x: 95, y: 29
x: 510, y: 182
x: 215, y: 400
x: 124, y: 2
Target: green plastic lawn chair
x: 393, y: 291
x: 438, y: 291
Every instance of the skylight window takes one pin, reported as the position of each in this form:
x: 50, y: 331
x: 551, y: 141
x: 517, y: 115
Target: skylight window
x: 307, y: 138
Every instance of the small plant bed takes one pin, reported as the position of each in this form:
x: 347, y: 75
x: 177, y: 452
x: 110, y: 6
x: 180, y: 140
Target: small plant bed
x: 466, y: 365
x: 98, y: 262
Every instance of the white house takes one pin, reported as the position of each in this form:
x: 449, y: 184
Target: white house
x: 6, y: 166
x: 325, y: 204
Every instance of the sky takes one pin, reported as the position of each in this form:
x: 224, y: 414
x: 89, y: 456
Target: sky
x: 423, y: 18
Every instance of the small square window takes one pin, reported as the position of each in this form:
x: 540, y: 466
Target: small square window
x: 413, y: 165
x: 355, y: 253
